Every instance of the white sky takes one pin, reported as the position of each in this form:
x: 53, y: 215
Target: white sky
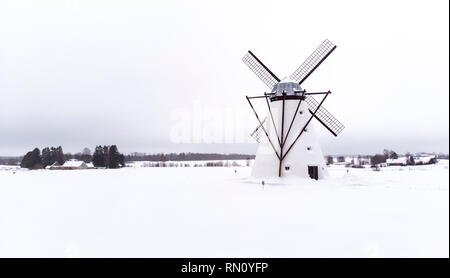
x: 81, y: 73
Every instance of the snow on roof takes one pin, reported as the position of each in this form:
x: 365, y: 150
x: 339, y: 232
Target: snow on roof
x: 424, y: 159
x: 73, y: 163
x: 55, y: 164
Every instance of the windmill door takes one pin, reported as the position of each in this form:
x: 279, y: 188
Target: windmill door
x: 313, y: 172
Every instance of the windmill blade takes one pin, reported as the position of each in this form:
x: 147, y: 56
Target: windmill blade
x: 268, y: 77
x: 324, y: 117
x: 313, y: 61
x: 258, y: 132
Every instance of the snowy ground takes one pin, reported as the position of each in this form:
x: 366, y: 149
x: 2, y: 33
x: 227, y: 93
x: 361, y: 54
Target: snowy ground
x: 215, y: 212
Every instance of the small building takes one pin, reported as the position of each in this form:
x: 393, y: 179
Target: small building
x: 401, y: 161
x: 73, y: 164
x: 425, y: 159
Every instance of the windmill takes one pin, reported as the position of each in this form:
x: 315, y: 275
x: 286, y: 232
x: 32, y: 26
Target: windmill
x: 287, y: 142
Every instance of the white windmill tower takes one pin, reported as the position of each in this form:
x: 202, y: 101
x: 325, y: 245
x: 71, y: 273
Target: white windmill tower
x: 287, y: 142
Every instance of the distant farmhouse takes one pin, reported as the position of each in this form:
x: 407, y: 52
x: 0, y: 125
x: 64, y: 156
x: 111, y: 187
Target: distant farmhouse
x: 421, y: 159
x: 349, y: 160
x: 401, y: 161
x: 71, y: 164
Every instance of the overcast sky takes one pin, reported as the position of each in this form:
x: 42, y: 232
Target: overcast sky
x: 82, y: 73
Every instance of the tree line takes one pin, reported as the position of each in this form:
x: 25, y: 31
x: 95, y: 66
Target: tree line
x: 35, y: 160
x: 186, y: 156
x: 104, y: 156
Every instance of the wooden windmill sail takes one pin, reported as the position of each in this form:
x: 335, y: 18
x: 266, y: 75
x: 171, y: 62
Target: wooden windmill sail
x: 286, y: 137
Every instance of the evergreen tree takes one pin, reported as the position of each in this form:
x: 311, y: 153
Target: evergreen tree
x: 52, y: 154
x: 98, y: 159
x: 114, y: 157
x: 59, y: 155
x: 106, y: 156
x: 46, y: 157
x: 32, y: 160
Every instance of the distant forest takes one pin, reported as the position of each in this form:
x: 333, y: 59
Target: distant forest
x: 186, y: 156
x: 10, y: 160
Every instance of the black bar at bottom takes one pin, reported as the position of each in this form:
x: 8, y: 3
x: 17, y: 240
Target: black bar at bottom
x: 224, y: 267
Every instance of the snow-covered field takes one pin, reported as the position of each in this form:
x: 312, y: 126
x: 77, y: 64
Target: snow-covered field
x: 217, y: 212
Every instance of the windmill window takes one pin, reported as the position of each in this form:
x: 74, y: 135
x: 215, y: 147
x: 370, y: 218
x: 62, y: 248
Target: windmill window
x: 309, y: 148
x: 287, y: 168
x: 301, y: 112
x: 306, y: 130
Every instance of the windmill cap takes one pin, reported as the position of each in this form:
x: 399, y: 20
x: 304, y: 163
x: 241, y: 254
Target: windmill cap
x: 287, y: 85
